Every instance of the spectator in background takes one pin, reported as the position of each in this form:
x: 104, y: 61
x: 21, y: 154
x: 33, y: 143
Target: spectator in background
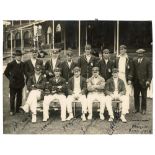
x: 141, y: 80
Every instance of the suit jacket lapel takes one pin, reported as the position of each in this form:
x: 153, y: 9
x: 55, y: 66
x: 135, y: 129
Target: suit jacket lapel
x: 30, y: 62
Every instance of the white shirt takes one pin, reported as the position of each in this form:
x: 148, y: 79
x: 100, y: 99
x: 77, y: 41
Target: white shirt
x: 116, y: 84
x: 33, y: 62
x: 54, y: 63
x: 122, y: 64
x: 140, y: 60
x: 88, y: 57
x: 106, y: 61
x: 95, y: 80
x: 18, y: 62
x: 69, y: 63
x: 37, y: 77
x: 77, y: 88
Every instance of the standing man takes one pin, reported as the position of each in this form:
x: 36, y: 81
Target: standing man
x: 15, y: 73
x: 56, y: 90
x: 68, y: 66
x: 35, y: 86
x: 53, y: 63
x: 141, y: 80
x: 125, y: 66
x: 115, y: 90
x: 95, y: 86
x: 77, y: 91
x: 106, y: 65
x: 30, y: 64
x: 86, y: 62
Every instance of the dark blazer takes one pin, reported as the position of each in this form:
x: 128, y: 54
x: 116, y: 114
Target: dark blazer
x: 110, y: 87
x: 32, y: 84
x: 142, y: 71
x: 15, y: 73
x: 106, y: 69
x: 128, y: 67
x: 67, y: 72
x: 29, y: 68
x: 83, y: 85
x: 49, y: 68
x: 86, y: 67
x: 53, y: 86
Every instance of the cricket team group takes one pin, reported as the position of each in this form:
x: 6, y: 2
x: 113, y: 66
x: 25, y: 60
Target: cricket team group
x: 88, y: 79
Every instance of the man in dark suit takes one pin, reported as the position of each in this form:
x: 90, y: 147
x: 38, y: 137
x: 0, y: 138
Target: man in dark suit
x: 35, y: 85
x: 77, y: 91
x: 106, y: 65
x: 53, y: 63
x: 86, y: 62
x: 30, y: 64
x: 15, y: 73
x: 141, y: 80
x: 56, y: 90
x: 68, y: 66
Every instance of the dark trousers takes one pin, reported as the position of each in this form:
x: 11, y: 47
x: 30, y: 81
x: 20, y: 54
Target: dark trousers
x: 15, y: 94
x: 137, y: 89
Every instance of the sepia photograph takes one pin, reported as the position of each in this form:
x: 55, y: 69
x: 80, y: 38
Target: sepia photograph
x: 77, y: 77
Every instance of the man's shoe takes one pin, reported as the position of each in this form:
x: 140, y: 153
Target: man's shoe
x: 143, y: 112
x: 63, y: 119
x: 45, y: 119
x: 34, y: 118
x: 90, y: 117
x: 69, y: 117
x: 83, y: 117
x: 23, y: 110
x: 123, y: 119
x: 11, y: 113
x: 102, y: 117
x: 111, y: 119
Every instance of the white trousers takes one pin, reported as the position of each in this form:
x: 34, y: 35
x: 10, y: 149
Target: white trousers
x: 48, y: 99
x: 100, y: 97
x: 81, y: 98
x: 123, y: 105
x: 31, y: 102
x: 129, y: 90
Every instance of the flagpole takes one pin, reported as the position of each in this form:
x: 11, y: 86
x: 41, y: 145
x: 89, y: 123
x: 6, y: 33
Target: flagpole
x: 86, y: 34
x: 53, y: 35
x: 79, y: 36
x: 11, y: 45
x: 117, y: 38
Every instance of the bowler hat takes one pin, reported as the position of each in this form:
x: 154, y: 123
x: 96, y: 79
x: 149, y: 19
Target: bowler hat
x: 18, y: 53
x: 139, y: 51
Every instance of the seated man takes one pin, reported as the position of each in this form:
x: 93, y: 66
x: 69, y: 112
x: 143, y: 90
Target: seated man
x: 56, y: 90
x: 77, y: 91
x: 115, y: 90
x: 95, y: 86
x: 35, y: 85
